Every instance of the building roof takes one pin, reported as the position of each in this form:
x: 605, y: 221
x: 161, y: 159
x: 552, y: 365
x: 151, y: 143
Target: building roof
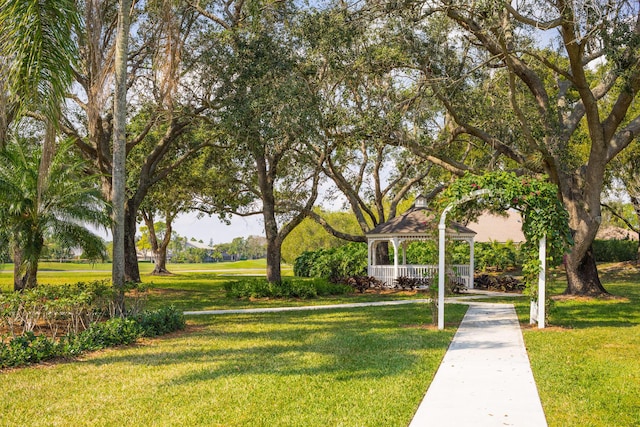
x: 198, y: 245
x: 499, y: 228
x: 418, y: 221
x: 616, y: 233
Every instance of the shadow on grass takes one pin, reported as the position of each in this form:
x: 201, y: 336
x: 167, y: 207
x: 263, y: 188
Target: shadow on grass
x: 342, y: 344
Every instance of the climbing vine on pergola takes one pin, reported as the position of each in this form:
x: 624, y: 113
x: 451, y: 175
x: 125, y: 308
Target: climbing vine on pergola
x: 537, y: 200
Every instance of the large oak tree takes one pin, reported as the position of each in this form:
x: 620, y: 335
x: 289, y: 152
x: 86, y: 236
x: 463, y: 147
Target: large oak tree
x: 487, y: 65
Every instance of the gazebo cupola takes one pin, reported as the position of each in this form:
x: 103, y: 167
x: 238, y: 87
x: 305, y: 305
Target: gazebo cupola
x: 418, y: 223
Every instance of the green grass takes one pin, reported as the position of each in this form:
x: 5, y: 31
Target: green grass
x: 587, y: 362
x: 344, y: 367
x: 357, y: 367
x: 59, y: 273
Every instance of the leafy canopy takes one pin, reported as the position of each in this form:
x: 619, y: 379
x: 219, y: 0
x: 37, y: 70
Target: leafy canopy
x: 537, y: 200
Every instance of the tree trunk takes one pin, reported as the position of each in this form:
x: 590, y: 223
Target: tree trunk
x: 274, y: 258
x: 18, y: 279
x: 635, y: 202
x: 382, y: 254
x: 582, y: 277
x: 132, y: 272
x: 30, y: 278
x: 118, y: 195
x: 160, y: 263
x: 583, y: 206
x: 160, y: 251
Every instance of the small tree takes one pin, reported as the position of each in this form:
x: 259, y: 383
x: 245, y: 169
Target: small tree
x: 65, y: 199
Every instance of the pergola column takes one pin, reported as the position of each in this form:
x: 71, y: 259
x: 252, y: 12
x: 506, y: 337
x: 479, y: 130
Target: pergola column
x: 472, y: 262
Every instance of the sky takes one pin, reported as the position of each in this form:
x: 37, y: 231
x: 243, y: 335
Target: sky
x: 211, y: 228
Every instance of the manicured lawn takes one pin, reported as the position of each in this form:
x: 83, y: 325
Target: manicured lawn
x: 344, y: 367
x: 192, y: 287
x: 587, y: 361
x: 356, y: 367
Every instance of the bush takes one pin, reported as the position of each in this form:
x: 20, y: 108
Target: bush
x: 113, y: 332
x: 26, y: 349
x: 403, y: 282
x: 160, y: 321
x: 295, y: 288
x: 498, y: 283
x: 333, y: 264
x: 501, y: 256
x: 31, y: 348
x: 615, y: 250
x: 362, y: 283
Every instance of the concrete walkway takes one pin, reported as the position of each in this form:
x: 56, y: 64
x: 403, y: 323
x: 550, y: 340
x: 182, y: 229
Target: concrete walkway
x: 485, y: 378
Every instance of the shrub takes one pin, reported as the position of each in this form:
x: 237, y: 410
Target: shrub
x: 160, y: 321
x: 26, y: 349
x: 615, y: 250
x: 31, y: 348
x: 288, y: 288
x: 333, y: 264
x: 362, y: 283
x: 303, y: 263
x: 113, y: 332
x: 403, y: 282
x: 501, y: 256
x: 498, y: 283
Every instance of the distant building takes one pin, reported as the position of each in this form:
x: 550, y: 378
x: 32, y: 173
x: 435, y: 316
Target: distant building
x: 498, y: 228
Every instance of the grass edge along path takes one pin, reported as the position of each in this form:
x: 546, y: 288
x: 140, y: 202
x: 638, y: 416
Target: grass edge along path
x: 366, y: 366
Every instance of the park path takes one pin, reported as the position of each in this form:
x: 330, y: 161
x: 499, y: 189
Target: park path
x: 484, y: 379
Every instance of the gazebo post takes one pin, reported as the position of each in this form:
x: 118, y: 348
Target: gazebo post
x: 396, y: 255
x: 472, y: 263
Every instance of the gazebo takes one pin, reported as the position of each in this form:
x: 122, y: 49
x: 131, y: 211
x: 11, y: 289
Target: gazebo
x: 417, y: 224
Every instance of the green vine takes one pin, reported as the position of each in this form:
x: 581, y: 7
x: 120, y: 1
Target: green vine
x: 536, y: 200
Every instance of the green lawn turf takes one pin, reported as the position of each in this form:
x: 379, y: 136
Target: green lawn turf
x: 587, y: 361
x: 357, y: 367
x: 192, y: 287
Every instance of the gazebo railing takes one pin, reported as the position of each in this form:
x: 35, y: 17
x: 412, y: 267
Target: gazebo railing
x: 386, y: 273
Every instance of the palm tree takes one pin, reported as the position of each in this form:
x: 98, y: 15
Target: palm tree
x: 36, y: 207
x: 38, y: 49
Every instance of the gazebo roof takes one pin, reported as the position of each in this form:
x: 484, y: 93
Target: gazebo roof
x: 418, y: 221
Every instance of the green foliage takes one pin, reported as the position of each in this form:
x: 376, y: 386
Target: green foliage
x: 26, y: 349
x: 615, y: 250
x: 304, y: 262
x: 362, y: 283
x: 113, y: 332
x: 68, y: 307
x: 160, y: 321
x: 36, y: 207
x: 30, y: 348
x: 333, y: 264
x: 542, y: 213
x: 501, y: 256
x: 288, y: 288
x: 310, y: 236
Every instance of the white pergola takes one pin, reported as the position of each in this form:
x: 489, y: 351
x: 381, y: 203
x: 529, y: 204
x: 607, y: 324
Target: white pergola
x: 417, y: 224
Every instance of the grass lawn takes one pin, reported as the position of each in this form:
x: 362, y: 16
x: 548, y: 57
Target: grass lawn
x: 192, y: 287
x: 366, y: 366
x: 587, y: 361
x: 357, y: 367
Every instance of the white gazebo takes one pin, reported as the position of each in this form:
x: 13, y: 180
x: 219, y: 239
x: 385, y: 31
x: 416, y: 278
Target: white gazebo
x: 417, y: 224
